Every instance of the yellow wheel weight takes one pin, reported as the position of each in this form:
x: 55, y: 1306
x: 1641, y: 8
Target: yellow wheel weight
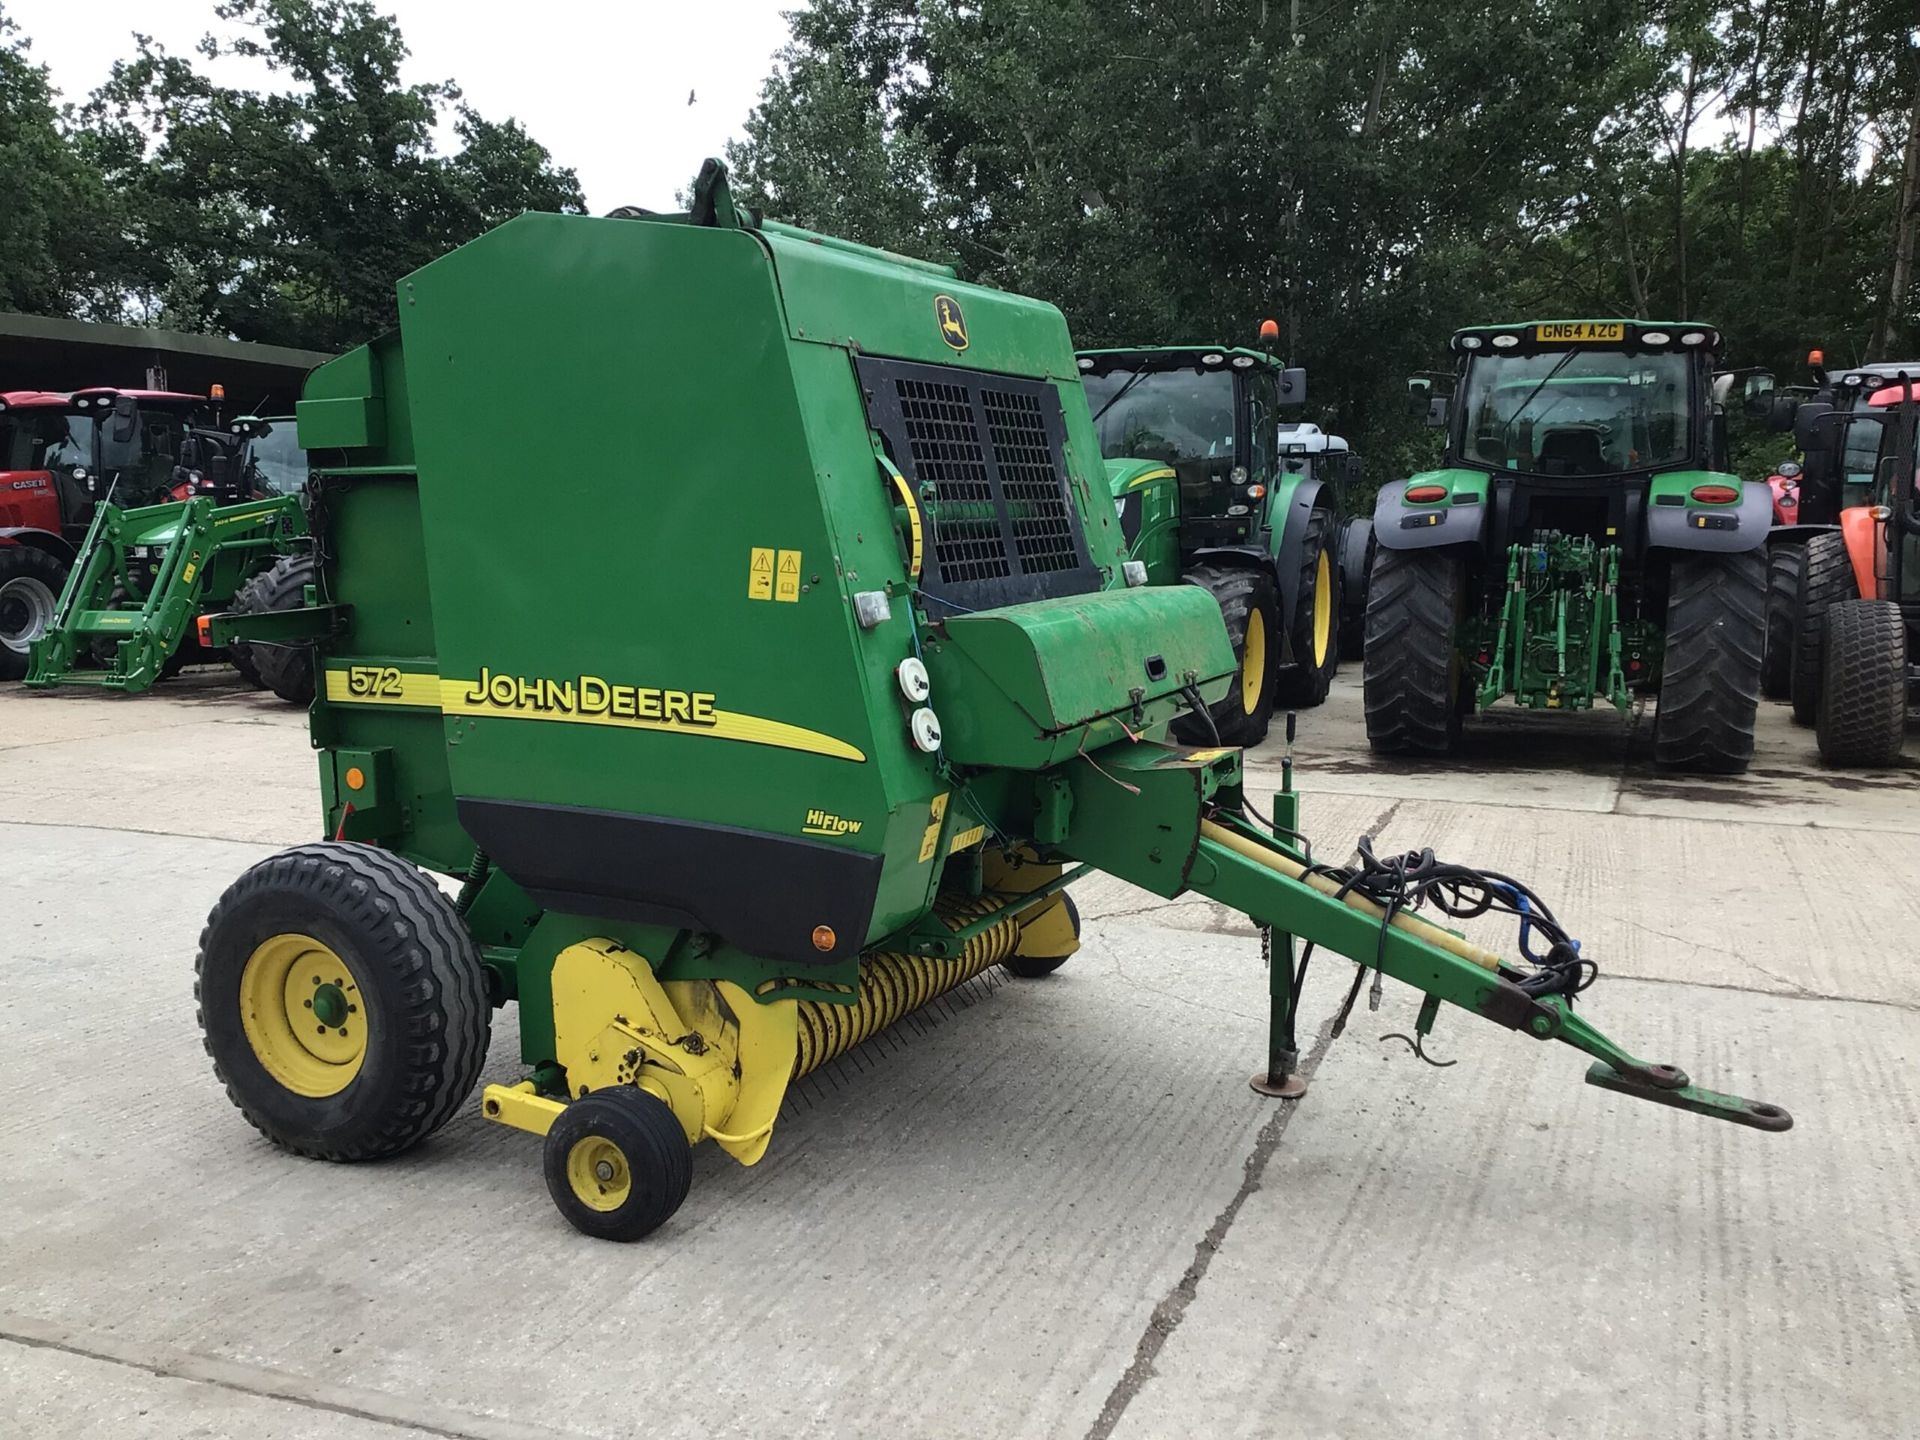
x: 597, y: 1170
x: 301, y: 1008
x: 1253, y: 663
x: 1322, y: 609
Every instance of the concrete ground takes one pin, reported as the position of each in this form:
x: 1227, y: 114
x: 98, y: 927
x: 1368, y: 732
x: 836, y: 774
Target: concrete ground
x: 1054, y: 1208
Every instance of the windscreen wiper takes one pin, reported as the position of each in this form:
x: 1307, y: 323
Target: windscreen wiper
x: 1506, y: 435
x: 1120, y: 394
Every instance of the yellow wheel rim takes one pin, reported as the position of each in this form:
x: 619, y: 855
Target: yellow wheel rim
x: 303, y: 1014
x: 597, y: 1170
x: 1253, y: 663
x: 1322, y: 609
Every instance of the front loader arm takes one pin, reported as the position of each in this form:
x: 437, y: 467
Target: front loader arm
x: 1163, y: 817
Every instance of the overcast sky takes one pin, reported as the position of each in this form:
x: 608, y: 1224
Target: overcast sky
x: 603, y: 85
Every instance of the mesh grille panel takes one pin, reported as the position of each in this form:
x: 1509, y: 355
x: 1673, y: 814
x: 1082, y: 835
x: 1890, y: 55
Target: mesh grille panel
x: 1036, y: 500
x: 945, y: 447
x: 986, y: 454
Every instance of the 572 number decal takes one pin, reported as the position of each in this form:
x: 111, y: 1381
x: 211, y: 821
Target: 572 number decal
x: 374, y: 681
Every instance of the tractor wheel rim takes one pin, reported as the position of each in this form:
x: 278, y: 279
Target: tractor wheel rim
x: 301, y: 1009
x: 26, y: 611
x: 598, y: 1173
x: 1253, y: 663
x: 1322, y: 610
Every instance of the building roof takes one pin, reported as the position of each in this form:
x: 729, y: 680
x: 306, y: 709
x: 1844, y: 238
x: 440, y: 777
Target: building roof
x: 40, y: 352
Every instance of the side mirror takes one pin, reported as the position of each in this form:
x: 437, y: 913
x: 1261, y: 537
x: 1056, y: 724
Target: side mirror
x: 1780, y: 412
x: 1419, y: 396
x: 1293, y: 388
x: 1437, y: 413
x: 1813, y: 437
x: 1757, y: 396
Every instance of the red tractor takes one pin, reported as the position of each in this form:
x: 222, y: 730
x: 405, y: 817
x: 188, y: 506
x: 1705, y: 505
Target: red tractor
x: 60, y: 455
x: 1857, y: 608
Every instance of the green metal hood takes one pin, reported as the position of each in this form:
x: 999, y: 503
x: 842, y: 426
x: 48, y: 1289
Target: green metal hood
x: 1029, y: 686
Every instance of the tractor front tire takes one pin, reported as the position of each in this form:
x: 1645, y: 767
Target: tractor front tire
x: 1826, y: 580
x: 617, y: 1163
x: 1412, y: 674
x: 342, y: 1001
x: 1783, y: 584
x: 1252, y: 611
x: 1710, y: 678
x: 1315, y: 638
x: 287, y: 670
x: 30, y: 585
x: 1863, y: 697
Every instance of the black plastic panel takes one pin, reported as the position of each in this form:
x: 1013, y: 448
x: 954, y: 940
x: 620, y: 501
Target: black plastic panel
x: 764, y: 893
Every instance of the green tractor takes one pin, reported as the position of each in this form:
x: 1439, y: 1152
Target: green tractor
x: 1582, y: 542
x: 1212, y: 490
x: 225, y: 529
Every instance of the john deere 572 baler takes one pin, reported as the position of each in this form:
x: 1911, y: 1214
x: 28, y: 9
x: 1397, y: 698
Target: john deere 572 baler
x: 798, y: 698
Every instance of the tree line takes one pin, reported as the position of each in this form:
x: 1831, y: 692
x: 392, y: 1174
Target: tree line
x: 281, y: 215
x: 1372, y: 173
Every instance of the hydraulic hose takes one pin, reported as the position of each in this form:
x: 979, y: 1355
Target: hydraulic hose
x: 1293, y: 869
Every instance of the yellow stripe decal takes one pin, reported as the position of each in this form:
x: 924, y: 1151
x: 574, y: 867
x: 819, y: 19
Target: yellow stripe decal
x: 1150, y: 477
x: 386, y: 685
x: 383, y: 685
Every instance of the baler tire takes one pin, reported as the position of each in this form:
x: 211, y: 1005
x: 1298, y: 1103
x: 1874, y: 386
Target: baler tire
x: 1315, y: 638
x: 1034, y: 967
x: 30, y: 584
x: 1863, y: 700
x: 1826, y: 579
x: 1783, y: 583
x: 1251, y: 608
x: 1412, y: 674
x: 648, y: 1165
x: 287, y: 670
x: 1716, y: 631
x: 408, y: 956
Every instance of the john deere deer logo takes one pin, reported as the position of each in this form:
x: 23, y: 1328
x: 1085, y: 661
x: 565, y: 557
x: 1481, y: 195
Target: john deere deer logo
x: 953, y: 325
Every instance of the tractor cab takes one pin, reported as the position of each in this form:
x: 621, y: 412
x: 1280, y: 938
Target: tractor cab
x: 147, y: 443
x: 1569, y: 421
x: 1869, y: 448
x: 1210, y: 415
x: 271, y: 457
x: 38, y: 446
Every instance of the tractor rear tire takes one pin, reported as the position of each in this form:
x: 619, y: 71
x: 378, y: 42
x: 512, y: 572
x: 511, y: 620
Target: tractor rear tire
x: 617, y: 1163
x: 1315, y: 638
x: 1412, y: 669
x: 1783, y: 583
x: 342, y: 1001
x: 1863, y: 700
x: 30, y: 585
x: 1826, y: 580
x: 1252, y: 611
x: 287, y: 670
x: 1710, y: 677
